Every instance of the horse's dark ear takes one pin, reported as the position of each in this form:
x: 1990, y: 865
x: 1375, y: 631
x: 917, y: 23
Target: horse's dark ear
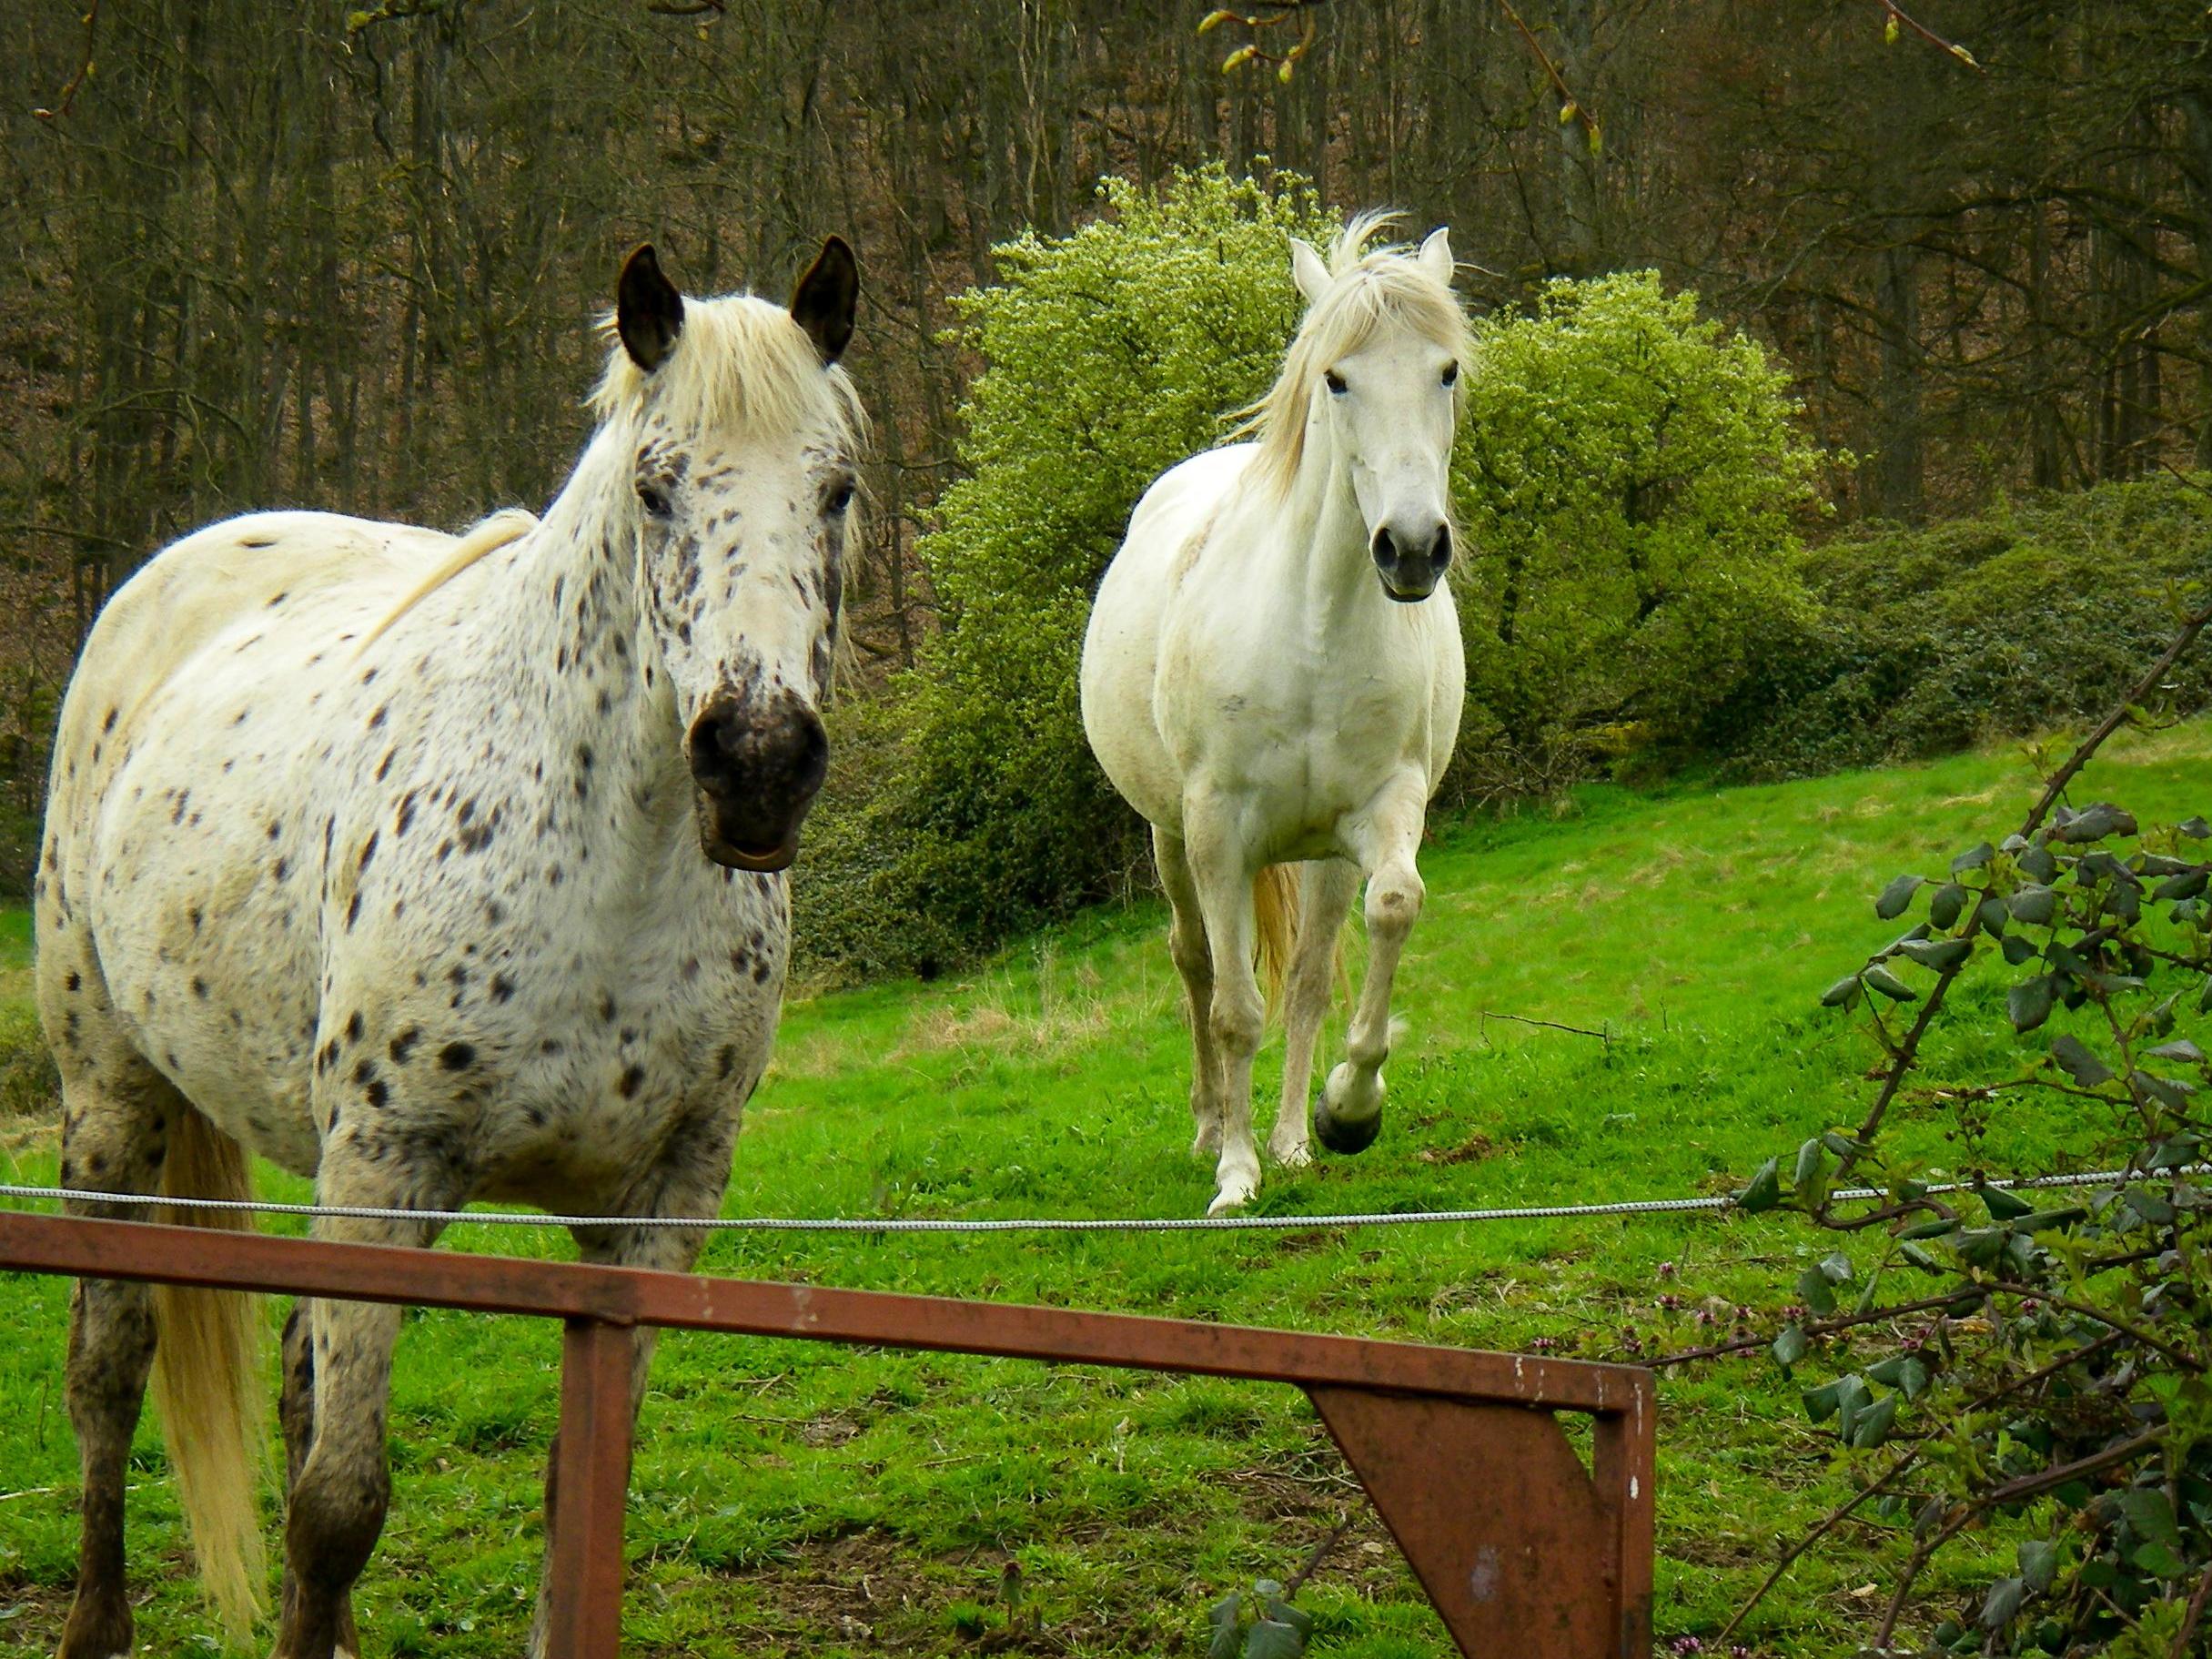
x: 822, y: 302
x: 648, y: 311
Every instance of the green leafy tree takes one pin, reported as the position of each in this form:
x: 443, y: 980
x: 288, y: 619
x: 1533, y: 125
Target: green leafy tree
x: 1628, y: 482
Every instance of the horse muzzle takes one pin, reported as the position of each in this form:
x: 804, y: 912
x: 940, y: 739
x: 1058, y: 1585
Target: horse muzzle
x: 758, y: 767
x: 1411, y: 563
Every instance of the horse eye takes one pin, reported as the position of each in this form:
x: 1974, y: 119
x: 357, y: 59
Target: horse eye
x: 1451, y: 374
x: 840, y: 499
x: 654, y: 499
x: 1336, y: 383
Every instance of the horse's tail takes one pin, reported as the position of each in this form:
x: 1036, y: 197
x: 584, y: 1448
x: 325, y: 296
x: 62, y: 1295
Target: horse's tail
x: 207, y: 1379
x: 1274, y: 933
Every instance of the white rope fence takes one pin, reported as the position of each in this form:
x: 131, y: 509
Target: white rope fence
x: 1132, y: 1224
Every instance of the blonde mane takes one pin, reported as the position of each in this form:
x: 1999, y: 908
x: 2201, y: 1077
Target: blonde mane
x: 1370, y: 289
x: 741, y: 364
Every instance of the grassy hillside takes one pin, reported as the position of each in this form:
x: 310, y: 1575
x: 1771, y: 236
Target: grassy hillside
x: 792, y: 1500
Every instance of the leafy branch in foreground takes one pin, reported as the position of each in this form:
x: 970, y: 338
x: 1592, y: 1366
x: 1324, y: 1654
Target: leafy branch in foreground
x: 2046, y: 1394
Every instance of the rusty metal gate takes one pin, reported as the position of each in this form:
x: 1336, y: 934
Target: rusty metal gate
x: 1526, y: 1553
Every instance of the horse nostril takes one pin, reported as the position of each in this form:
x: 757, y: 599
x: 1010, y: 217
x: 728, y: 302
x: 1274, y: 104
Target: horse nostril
x: 1440, y: 550
x: 1384, y: 549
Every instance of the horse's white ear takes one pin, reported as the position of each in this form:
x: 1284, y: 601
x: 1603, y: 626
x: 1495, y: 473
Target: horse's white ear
x: 1436, y: 255
x: 1308, y: 271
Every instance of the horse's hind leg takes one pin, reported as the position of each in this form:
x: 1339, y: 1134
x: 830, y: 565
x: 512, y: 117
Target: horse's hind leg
x: 115, y: 1114
x: 295, y: 1412
x: 1350, y: 1112
x: 1326, y: 893
x: 1222, y: 873
x: 1194, y: 961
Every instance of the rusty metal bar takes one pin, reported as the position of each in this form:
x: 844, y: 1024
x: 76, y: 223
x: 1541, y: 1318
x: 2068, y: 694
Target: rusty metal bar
x: 586, y: 1494
x: 1520, y: 1549
x: 698, y: 1301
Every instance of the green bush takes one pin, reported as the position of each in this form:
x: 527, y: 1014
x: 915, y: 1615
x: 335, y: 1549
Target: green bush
x: 2034, y: 615
x: 1627, y: 481
x: 971, y: 807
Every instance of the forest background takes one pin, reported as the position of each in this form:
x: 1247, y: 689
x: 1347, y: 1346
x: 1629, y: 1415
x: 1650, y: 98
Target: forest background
x: 350, y: 259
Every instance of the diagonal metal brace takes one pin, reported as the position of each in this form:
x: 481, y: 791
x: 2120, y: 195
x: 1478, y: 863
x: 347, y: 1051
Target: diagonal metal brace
x: 1523, y: 1554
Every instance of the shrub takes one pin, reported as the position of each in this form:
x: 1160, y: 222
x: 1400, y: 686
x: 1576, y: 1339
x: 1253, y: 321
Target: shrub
x: 2033, y: 615
x: 1627, y: 479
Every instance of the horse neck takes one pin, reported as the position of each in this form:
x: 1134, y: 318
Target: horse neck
x: 1324, y: 541
x: 568, y: 635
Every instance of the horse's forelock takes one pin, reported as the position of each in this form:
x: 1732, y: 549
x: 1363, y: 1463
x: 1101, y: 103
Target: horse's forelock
x: 1371, y: 289
x: 741, y: 366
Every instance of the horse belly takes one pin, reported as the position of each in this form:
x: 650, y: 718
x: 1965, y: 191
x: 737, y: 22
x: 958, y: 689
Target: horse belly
x: 202, y: 922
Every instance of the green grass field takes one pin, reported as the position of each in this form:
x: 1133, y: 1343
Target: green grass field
x: 791, y: 1499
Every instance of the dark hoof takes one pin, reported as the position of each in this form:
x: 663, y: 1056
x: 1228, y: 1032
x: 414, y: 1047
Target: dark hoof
x: 1345, y: 1135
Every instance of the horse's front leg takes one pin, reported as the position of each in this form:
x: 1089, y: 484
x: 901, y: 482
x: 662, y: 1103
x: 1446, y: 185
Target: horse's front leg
x: 337, y: 1388
x: 1384, y: 838
x: 1221, y: 872
x: 1194, y: 963
x: 686, y: 1184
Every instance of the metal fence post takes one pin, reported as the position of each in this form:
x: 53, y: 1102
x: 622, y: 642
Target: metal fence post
x: 590, y: 1484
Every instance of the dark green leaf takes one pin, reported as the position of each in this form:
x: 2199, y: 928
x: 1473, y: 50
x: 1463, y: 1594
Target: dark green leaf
x: 2187, y: 884
x: 1283, y: 1613
x: 1871, y: 1427
x: 1896, y: 897
x: 2028, y: 1004
x: 1939, y: 953
x: 1879, y: 978
x: 2017, y: 949
x: 2034, y: 906
x: 1223, y: 1617
x: 2005, y: 1598
x: 2159, y: 1562
x: 1764, y: 1190
x: 2003, y: 1206
x: 2038, y: 864
x: 1790, y: 1347
x: 2181, y: 1048
x: 1842, y: 994
x: 1813, y: 1290
x: 2075, y: 1061
x: 1271, y: 1640
x: 1811, y: 1163
x: 1993, y: 914
x: 1930, y: 1230
x: 2038, y: 1563
x: 2197, y: 829
x: 1820, y: 1403
x: 1947, y: 905
x: 2096, y: 822
x: 1975, y: 858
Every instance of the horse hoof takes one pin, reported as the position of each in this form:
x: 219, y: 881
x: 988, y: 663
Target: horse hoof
x: 1234, y: 1195
x: 1291, y: 1158
x: 1345, y: 1135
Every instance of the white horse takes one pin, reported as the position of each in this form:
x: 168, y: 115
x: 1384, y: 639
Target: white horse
x: 438, y: 871
x: 1273, y: 674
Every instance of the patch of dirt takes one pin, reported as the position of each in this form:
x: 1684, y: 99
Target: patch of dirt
x: 1473, y: 1150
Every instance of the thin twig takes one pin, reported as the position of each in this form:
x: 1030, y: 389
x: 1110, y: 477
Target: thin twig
x: 83, y: 68
x: 1824, y: 1327
x: 2189, y: 1619
x: 1549, y: 1024
x: 1313, y: 1562
x: 2180, y: 1357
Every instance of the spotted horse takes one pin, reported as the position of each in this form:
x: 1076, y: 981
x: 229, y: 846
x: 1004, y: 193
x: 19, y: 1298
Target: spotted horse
x: 438, y: 870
